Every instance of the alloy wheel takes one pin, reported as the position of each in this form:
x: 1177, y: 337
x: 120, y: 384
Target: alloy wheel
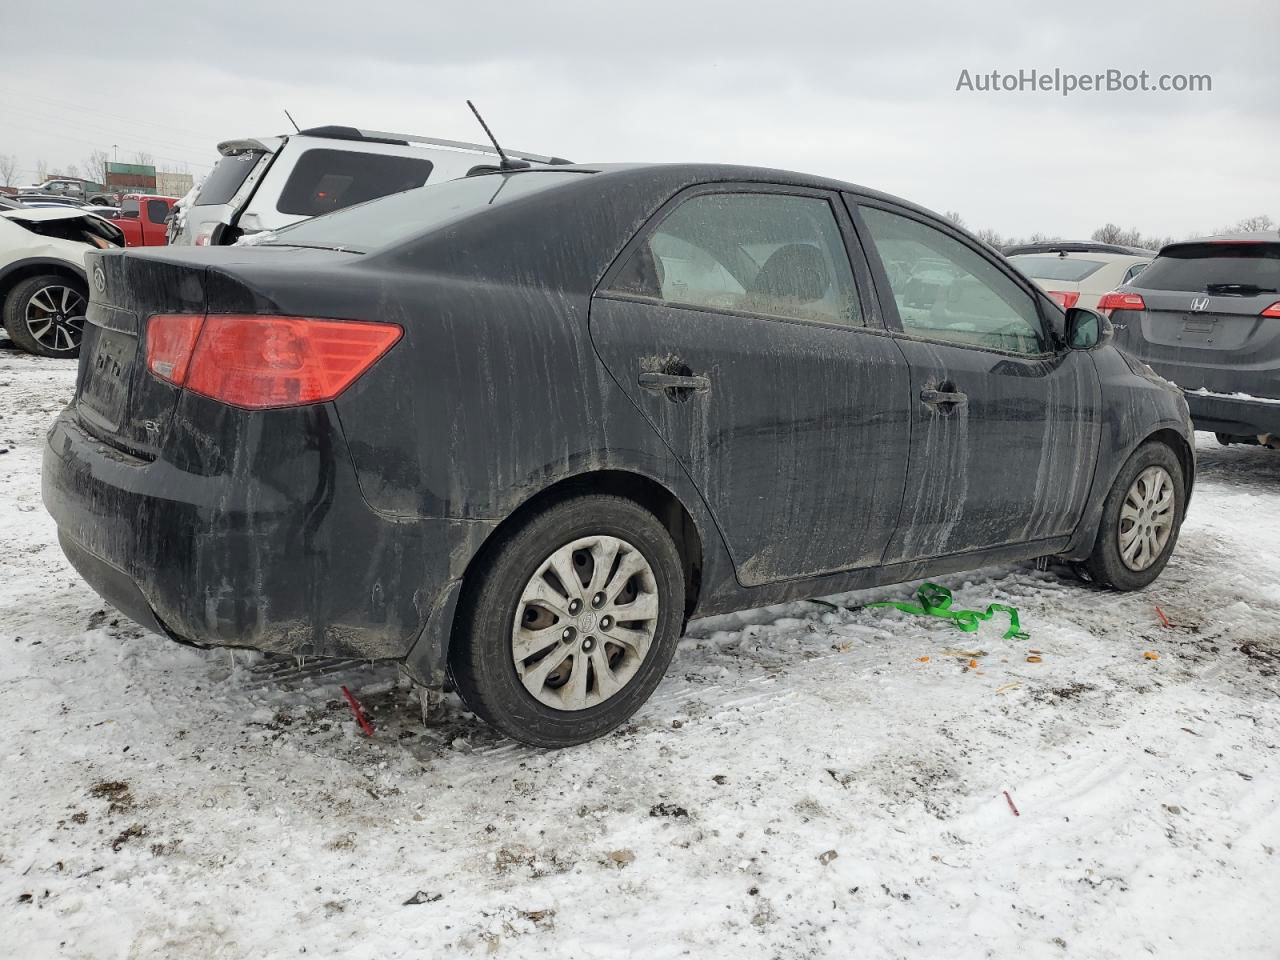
x: 585, y: 622
x: 1146, y: 518
x: 55, y: 317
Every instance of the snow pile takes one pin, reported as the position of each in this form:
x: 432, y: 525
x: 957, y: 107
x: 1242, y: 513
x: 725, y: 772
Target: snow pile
x: 811, y: 780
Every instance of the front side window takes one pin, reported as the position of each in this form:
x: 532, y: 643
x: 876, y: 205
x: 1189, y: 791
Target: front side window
x: 947, y: 291
x: 157, y: 210
x: 760, y: 253
x: 326, y: 180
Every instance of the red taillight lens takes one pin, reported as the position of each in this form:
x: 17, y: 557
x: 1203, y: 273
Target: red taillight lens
x: 170, y: 341
x: 263, y: 362
x: 1121, y: 301
x: 1066, y: 299
x: 1272, y: 311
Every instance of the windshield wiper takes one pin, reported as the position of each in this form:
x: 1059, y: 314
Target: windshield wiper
x: 1240, y: 289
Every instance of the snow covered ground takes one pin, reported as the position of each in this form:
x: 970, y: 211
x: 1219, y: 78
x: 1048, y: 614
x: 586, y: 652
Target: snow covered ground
x: 804, y: 784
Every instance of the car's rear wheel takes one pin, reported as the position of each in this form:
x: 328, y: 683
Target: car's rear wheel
x: 1140, y: 520
x: 571, y: 622
x: 44, y: 315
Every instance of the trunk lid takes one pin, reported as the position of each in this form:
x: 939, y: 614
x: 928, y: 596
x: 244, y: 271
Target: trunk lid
x: 116, y: 399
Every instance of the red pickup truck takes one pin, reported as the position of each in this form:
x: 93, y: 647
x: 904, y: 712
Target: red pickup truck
x: 143, y: 218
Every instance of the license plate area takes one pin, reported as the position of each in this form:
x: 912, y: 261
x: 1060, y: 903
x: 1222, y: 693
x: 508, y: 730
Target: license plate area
x: 107, y: 372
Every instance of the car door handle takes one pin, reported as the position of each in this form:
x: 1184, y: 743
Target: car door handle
x: 943, y: 398
x: 673, y: 381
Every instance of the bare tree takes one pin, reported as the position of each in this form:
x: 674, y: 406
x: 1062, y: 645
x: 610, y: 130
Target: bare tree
x: 954, y: 217
x: 73, y: 172
x: 96, y: 166
x: 42, y: 171
x: 144, y: 159
x: 1252, y: 224
x: 990, y: 237
x: 1109, y: 233
x: 8, y: 169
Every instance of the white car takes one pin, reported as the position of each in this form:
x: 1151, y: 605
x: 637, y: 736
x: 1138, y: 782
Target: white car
x: 271, y: 182
x: 43, y: 291
x: 1079, y: 274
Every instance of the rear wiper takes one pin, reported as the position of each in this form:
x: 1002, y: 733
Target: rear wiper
x: 1240, y: 289
x: 311, y: 246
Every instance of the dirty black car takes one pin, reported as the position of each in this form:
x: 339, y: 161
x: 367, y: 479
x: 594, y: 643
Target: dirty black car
x: 516, y: 429
x: 1206, y: 314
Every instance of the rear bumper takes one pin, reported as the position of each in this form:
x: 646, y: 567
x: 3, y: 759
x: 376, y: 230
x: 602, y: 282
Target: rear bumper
x: 235, y: 560
x: 1233, y: 415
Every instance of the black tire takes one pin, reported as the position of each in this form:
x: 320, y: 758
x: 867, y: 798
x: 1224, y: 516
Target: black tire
x: 481, y: 659
x: 62, y: 337
x: 1104, y: 565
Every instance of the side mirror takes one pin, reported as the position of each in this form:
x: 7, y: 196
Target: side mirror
x: 1087, y: 329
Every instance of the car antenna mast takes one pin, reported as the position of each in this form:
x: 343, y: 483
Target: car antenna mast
x: 296, y: 128
x: 506, y: 162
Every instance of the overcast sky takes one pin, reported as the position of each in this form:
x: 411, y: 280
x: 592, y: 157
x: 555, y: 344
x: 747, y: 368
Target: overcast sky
x: 864, y: 95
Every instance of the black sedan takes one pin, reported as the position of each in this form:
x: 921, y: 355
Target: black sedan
x: 518, y: 428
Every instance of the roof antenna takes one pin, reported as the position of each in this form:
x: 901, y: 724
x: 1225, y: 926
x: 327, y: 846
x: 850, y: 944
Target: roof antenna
x: 293, y: 121
x: 507, y: 163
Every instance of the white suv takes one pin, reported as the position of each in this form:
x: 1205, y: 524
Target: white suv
x: 268, y: 183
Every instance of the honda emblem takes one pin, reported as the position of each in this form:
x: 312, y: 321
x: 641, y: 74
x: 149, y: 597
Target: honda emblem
x: 1200, y: 303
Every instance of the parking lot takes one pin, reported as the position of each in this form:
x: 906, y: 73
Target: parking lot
x: 808, y: 778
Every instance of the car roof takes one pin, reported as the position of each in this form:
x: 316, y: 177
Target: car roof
x: 1075, y: 246
x: 356, y: 135
x: 678, y: 175
x: 34, y: 214
x: 1252, y: 236
x: 1094, y: 255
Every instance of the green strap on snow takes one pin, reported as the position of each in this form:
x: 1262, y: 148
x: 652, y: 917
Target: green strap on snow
x: 935, y: 601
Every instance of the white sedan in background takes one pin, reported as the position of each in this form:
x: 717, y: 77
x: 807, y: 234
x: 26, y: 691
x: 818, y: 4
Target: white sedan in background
x: 43, y: 292
x: 1079, y: 274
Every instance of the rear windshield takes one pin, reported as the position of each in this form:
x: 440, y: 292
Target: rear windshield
x: 373, y: 225
x: 326, y: 180
x: 1056, y: 268
x: 1194, y: 266
x: 226, y: 177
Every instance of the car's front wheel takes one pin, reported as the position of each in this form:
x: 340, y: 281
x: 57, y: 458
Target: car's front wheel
x: 571, y: 621
x: 1140, y: 520
x: 44, y: 315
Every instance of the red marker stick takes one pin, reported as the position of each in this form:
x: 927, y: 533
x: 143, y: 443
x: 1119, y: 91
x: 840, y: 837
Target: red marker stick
x: 358, y: 712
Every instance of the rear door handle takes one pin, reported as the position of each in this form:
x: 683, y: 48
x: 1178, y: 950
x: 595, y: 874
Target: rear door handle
x: 671, y: 381
x: 943, y: 398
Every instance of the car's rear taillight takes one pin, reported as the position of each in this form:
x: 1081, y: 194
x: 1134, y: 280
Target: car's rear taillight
x: 263, y: 362
x: 1120, y: 301
x: 170, y: 341
x: 1272, y: 311
x: 1066, y: 299
x: 204, y: 236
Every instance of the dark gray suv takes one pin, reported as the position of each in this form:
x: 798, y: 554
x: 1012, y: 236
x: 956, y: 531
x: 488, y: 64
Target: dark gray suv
x: 1206, y: 315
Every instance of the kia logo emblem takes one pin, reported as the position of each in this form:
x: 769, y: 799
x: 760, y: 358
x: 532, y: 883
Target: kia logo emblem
x: 1200, y: 303
x: 99, y: 280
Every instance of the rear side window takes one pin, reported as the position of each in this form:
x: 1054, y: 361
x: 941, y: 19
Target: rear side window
x: 226, y: 178
x: 157, y: 211
x: 776, y: 255
x: 326, y: 180
x: 1195, y: 267
x: 945, y: 290
x: 1056, y: 268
